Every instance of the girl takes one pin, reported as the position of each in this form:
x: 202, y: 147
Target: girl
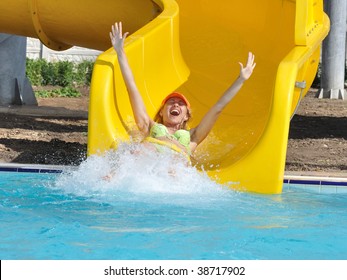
x: 168, y: 128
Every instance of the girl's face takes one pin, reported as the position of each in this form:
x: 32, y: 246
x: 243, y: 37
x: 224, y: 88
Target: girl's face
x: 174, y: 111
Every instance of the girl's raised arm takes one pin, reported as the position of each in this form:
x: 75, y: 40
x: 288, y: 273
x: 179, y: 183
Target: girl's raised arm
x: 142, y: 118
x: 199, y: 133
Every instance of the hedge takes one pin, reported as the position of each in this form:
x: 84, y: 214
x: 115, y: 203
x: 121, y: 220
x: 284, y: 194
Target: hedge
x: 65, y: 75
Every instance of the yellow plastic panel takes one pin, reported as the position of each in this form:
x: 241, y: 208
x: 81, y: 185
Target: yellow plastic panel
x: 247, y: 147
x: 154, y: 56
x: 83, y: 23
x: 309, y: 16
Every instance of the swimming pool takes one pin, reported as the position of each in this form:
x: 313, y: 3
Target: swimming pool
x: 73, y: 216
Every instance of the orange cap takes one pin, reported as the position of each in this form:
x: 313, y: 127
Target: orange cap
x: 178, y: 95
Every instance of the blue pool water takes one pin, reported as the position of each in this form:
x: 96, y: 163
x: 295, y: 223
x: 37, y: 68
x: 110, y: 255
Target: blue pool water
x: 77, y: 215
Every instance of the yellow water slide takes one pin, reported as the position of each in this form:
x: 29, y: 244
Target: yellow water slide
x: 193, y: 46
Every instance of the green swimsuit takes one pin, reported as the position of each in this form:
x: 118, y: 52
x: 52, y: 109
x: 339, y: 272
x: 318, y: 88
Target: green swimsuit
x: 159, y: 130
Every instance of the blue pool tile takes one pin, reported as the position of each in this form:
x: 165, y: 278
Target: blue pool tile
x: 50, y: 171
x: 31, y: 170
x: 305, y: 182
x: 330, y: 183
x: 9, y: 169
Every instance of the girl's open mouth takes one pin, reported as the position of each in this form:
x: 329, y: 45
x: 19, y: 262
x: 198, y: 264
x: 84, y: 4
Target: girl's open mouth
x: 175, y: 112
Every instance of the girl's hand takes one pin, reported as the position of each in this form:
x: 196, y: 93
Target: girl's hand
x: 247, y: 71
x: 117, y: 37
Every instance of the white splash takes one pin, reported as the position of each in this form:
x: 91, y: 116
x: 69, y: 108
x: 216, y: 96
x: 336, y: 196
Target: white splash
x: 138, y: 175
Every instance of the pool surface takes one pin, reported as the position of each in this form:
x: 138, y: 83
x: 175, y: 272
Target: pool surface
x: 75, y: 215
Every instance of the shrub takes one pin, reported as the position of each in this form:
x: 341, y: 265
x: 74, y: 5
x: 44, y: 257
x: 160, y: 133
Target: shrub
x: 64, y: 74
x: 49, y: 73
x: 58, y: 92
x: 34, y: 71
x: 83, y: 75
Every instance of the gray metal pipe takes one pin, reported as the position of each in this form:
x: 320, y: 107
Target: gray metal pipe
x: 333, y: 52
